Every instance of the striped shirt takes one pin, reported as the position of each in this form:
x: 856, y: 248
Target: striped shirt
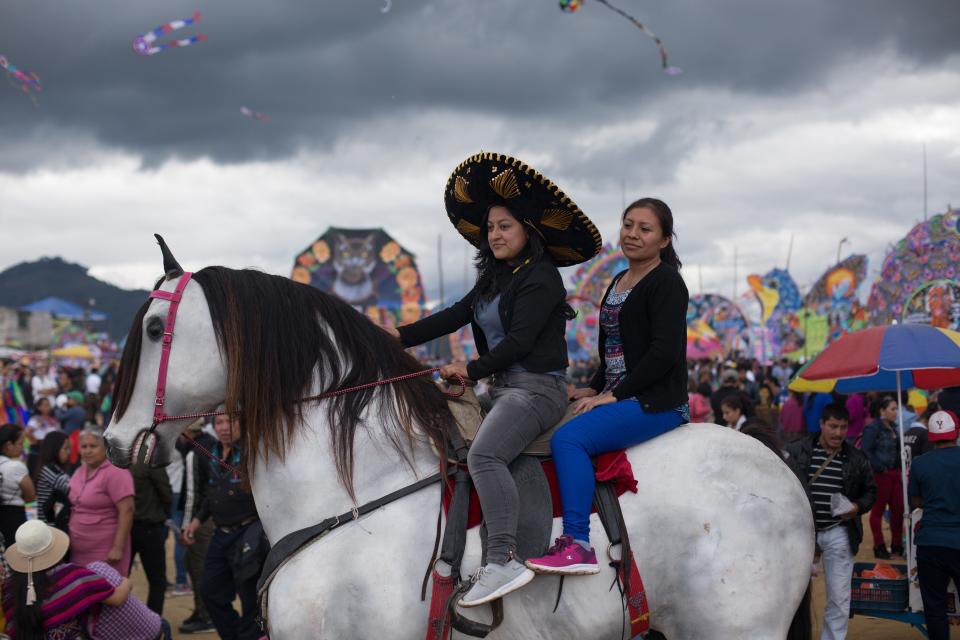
x: 52, y: 478
x: 829, y: 483
x: 68, y: 608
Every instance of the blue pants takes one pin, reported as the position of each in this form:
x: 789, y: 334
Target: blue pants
x: 606, y: 428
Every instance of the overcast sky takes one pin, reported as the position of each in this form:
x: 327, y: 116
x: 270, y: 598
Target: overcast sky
x: 791, y: 118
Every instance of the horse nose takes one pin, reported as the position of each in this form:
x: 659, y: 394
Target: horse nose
x: 115, y: 452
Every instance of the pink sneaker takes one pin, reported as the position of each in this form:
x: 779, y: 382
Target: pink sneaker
x: 566, y: 557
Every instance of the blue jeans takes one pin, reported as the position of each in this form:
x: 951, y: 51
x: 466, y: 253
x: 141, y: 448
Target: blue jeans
x: 608, y: 427
x: 178, y: 549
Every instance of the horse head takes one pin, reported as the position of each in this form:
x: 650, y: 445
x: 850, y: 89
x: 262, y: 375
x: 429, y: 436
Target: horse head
x: 194, y: 376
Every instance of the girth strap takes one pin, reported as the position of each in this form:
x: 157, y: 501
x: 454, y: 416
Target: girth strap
x: 288, y: 545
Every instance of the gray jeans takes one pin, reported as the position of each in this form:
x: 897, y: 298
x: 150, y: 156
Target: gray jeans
x: 524, y: 406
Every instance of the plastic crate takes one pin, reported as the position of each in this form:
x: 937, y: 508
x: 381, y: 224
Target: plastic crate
x: 878, y: 594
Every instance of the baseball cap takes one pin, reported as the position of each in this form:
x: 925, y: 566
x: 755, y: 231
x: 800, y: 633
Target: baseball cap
x: 942, y: 426
x: 729, y: 377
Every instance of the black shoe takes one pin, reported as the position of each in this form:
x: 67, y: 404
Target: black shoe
x: 897, y: 551
x: 194, y: 624
x: 880, y: 552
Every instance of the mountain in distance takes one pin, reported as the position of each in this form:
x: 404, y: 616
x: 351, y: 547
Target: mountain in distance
x: 28, y: 282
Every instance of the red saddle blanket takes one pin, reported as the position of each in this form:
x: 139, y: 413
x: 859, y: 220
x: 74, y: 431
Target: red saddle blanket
x: 613, y: 466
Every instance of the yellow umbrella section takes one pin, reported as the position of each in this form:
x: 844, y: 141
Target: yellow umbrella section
x: 75, y: 351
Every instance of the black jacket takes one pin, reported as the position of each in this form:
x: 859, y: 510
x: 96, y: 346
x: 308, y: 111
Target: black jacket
x: 653, y: 327
x: 532, y: 303
x: 858, y: 483
x: 226, y: 501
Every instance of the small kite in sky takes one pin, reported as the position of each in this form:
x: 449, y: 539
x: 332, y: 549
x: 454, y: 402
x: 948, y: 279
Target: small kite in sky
x: 386, y: 6
x: 250, y: 113
x: 571, y: 6
x: 26, y: 81
x: 144, y: 45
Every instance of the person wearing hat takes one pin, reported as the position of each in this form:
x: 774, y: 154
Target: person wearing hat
x: 73, y: 417
x: 934, y: 486
x: 640, y: 389
x: 48, y: 598
x: 523, y: 227
x: 16, y: 486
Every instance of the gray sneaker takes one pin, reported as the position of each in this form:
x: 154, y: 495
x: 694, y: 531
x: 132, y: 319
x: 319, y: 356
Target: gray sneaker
x: 495, y: 581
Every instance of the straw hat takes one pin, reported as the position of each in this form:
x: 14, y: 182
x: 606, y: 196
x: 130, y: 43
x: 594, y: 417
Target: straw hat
x: 38, y: 547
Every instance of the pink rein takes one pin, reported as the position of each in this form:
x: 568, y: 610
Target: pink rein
x: 160, y: 417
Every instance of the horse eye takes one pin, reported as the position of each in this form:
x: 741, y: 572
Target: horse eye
x: 154, y: 329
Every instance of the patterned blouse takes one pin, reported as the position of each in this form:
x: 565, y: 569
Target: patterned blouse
x: 613, y: 345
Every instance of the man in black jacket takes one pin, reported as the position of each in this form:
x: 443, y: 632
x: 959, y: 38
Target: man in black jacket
x: 827, y: 465
x: 233, y: 511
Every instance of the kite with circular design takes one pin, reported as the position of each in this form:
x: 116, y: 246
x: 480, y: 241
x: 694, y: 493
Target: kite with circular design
x: 145, y: 44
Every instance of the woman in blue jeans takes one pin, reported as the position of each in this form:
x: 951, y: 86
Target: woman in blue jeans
x: 640, y: 390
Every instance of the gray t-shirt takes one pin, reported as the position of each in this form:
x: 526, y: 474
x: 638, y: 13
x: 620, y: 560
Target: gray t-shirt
x: 487, y: 316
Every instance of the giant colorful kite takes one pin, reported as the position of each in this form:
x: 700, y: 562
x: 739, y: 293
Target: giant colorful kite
x: 919, y: 279
x: 715, y: 326
x: 589, y: 284
x: 367, y: 269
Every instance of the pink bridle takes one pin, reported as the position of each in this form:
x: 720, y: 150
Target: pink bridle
x: 166, y: 343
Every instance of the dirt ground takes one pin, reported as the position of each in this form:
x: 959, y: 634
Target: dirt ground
x: 176, y: 609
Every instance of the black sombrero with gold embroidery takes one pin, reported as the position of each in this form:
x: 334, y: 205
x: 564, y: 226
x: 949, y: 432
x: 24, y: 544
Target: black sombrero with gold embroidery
x: 488, y: 179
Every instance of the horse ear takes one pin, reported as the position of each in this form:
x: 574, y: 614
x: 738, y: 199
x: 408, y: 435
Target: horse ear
x: 170, y: 265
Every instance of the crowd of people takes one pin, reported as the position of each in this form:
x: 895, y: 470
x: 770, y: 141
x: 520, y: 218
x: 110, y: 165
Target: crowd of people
x: 101, y: 519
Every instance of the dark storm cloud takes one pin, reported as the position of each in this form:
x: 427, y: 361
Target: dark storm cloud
x: 323, y: 69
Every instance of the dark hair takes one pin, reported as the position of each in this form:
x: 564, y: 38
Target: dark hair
x: 36, y: 404
x: 49, y: 451
x: 28, y: 620
x: 740, y: 402
x: 704, y: 389
x: 836, y: 411
x: 759, y: 428
x: 9, y: 433
x: 878, y: 405
x: 488, y: 267
x: 665, y: 217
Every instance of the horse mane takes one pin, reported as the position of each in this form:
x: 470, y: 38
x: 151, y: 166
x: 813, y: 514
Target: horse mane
x: 278, y: 337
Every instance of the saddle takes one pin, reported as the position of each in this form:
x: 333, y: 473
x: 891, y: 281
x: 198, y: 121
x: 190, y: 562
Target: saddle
x: 535, y: 476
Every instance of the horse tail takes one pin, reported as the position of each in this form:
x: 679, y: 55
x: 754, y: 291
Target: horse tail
x: 801, y: 627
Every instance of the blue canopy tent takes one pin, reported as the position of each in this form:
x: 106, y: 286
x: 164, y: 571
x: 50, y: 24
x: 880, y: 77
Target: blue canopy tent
x: 64, y: 309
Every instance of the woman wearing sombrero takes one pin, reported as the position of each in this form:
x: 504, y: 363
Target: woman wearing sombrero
x: 523, y: 227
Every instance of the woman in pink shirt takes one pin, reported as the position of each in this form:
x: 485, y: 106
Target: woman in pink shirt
x: 857, y: 408
x: 101, y: 499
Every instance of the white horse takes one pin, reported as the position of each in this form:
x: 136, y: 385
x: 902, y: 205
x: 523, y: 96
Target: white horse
x: 721, y: 529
